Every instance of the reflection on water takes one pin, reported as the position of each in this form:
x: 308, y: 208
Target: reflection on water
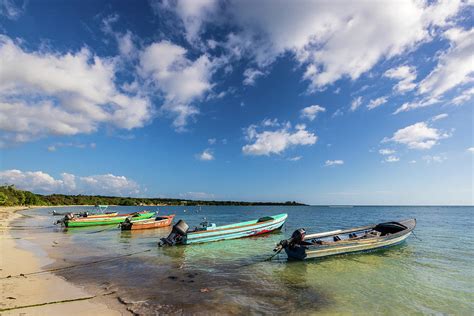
x: 433, y: 275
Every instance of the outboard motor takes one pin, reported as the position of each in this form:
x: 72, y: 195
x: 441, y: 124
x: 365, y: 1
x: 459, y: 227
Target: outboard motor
x: 66, y: 218
x: 296, y: 238
x: 179, y: 231
x: 127, y: 224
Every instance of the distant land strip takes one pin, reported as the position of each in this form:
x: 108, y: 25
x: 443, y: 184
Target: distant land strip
x: 11, y: 196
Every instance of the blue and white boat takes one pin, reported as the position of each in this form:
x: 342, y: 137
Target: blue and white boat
x: 181, y: 235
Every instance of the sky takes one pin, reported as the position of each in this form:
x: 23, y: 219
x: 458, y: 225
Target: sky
x: 321, y: 102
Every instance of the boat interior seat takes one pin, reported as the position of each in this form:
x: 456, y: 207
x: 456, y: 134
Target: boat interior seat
x: 264, y: 219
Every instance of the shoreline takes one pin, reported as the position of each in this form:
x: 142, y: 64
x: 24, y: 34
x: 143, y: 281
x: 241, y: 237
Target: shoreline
x: 61, y: 296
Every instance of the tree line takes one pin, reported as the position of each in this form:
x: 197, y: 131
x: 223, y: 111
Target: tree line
x: 12, y: 196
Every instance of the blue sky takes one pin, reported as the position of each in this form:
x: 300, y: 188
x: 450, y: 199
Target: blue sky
x: 319, y: 102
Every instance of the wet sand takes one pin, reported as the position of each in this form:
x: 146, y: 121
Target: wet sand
x: 17, y: 291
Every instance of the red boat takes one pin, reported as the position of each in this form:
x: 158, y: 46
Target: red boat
x: 157, y: 222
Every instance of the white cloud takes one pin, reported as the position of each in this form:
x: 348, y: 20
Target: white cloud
x: 165, y: 66
x: 356, y: 103
x: 77, y: 95
x: 330, y: 163
x: 56, y: 146
x: 435, y: 158
x: 277, y: 141
x: 338, y: 112
x: 269, y: 122
x: 465, y: 96
x: 333, y: 40
x: 439, y: 117
x: 193, y: 13
x: 206, y: 155
x: 471, y: 149
x: 455, y: 66
x: 406, y: 76
x: 310, y: 112
x: 376, y: 103
x: 296, y: 158
x: 251, y: 75
x: 11, y: 9
x: 416, y: 104
x: 386, y: 151
x: 412, y: 161
x: 417, y: 136
x: 392, y: 159
x: 41, y: 182
x: 211, y: 141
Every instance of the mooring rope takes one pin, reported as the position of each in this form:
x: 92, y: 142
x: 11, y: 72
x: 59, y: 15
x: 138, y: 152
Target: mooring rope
x: 47, y: 303
x: 74, y: 266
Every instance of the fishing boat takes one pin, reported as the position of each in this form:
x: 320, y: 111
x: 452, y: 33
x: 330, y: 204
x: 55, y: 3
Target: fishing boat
x: 303, y: 246
x: 181, y: 235
x: 100, y: 211
x: 71, y: 221
x: 157, y: 222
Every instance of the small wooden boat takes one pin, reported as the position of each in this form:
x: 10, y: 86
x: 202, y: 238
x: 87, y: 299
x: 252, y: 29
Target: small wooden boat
x: 71, y: 221
x: 301, y: 246
x: 100, y: 211
x: 157, y: 222
x: 210, y: 232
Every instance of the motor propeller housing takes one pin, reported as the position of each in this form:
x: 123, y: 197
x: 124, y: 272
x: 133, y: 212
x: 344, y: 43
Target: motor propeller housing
x: 179, y: 231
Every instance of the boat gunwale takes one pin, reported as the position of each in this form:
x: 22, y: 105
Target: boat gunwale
x: 152, y: 220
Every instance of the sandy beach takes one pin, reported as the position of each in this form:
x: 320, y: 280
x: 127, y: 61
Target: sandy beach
x: 17, y: 292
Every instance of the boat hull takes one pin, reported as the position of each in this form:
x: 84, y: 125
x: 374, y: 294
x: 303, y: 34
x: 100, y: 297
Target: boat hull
x: 234, y: 231
x: 147, y: 223
x: 304, y: 251
x: 114, y: 220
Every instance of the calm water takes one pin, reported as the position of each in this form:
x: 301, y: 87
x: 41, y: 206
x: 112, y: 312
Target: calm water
x: 433, y: 275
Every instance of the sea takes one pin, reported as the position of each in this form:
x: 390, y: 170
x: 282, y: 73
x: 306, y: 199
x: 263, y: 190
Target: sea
x: 431, y: 273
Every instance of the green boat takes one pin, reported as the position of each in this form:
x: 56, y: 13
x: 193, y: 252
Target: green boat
x: 71, y: 221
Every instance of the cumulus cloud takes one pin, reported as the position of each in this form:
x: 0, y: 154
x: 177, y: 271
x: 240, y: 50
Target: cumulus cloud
x: 455, y: 66
x: 330, y: 163
x: 406, y: 76
x: 392, y: 159
x: 193, y: 13
x: 251, y: 75
x: 77, y: 96
x: 335, y: 41
x: 269, y: 142
x: 417, y: 136
x: 386, y: 151
x: 310, y: 112
x: 376, y: 103
x: 180, y: 80
x: 470, y: 149
x: 41, y: 182
x: 356, y: 103
x: 331, y: 41
x: 206, y: 155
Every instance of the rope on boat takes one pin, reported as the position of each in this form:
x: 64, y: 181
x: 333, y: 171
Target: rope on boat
x: 103, y: 230
x: 413, y: 232
x: 74, y: 265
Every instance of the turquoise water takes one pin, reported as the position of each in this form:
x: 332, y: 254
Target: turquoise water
x: 430, y: 275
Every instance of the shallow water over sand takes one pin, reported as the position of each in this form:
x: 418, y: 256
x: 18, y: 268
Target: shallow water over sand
x: 433, y: 275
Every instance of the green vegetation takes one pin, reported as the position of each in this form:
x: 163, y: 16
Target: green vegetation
x: 11, y: 196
